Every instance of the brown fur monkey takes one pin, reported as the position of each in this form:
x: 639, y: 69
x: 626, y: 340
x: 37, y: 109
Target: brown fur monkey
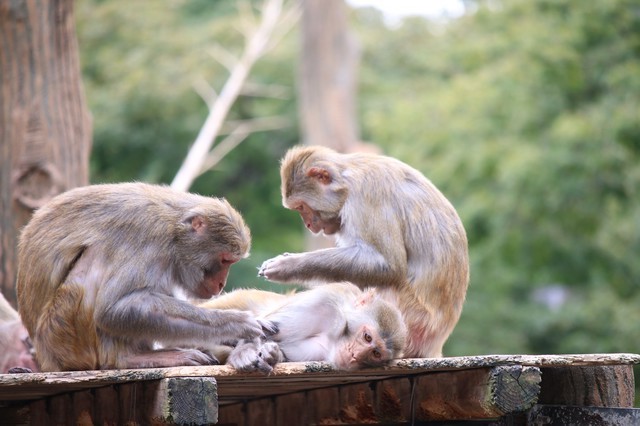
x: 395, y: 231
x: 337, y: 323
x: 97, y: 270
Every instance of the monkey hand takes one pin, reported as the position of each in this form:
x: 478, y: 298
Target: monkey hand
x: 280, y: 268
x: 269, y: 328
x: 233, y: 324
x: 255, y: 355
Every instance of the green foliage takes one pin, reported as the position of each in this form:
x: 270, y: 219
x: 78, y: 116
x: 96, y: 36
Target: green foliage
x: 526, y: 113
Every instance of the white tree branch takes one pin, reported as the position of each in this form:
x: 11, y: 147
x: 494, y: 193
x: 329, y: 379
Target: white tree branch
x: 254, y: 48
x: 239, y: 134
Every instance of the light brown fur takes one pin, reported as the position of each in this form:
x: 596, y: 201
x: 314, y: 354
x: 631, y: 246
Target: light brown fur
x: 395, y: 231
x: 98, y: 265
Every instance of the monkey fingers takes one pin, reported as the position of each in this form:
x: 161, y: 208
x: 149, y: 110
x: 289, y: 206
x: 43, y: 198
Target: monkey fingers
x: 236, y: 324
x: 255, y: 356
x: 270, y: 328
x: 279, y: 268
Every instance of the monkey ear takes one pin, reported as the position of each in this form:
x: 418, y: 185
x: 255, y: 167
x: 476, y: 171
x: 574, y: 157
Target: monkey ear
x: 366, y: 298
x: 197, y: 222
x: 322, y: 175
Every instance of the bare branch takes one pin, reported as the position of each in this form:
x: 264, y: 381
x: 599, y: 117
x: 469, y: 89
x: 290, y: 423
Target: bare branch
x: 289, y: 19
x: 206, y: 92
x: 223, y: 56
x: 254, y: 48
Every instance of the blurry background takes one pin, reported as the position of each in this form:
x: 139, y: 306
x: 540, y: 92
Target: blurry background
x: 525, y: 113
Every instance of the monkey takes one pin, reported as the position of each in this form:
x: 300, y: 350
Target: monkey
x: 98, y: 271
x: 16, y: 351
x: 394, y: 231
x: 337, y: 323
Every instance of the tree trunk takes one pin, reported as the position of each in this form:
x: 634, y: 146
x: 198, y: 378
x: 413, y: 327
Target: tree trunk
x: 45, y: 126
x: 327, y: 79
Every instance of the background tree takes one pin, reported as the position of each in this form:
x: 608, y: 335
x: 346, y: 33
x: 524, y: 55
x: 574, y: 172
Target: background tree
x: 45, y: 127
x: 327, y: 76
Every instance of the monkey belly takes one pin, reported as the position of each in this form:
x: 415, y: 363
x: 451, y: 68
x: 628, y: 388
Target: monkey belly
x: 66, y: 337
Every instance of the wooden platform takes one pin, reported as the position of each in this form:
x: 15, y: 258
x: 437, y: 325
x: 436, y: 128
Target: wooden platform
x: 494, y: 388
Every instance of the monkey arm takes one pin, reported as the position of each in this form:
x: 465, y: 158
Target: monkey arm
x: 360, y: 264
x: 158, y: 317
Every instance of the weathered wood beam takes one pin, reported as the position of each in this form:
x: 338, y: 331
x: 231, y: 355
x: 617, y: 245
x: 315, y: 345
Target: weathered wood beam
x: 482, y: 393
x: 185, y: 401
x: 291, y: 376
x: 595, y: 386
x: 171, y: 401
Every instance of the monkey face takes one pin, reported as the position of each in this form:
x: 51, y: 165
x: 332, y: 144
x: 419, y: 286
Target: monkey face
x: 215, y: 277
x: 364, y: 349
x: 317, y: 221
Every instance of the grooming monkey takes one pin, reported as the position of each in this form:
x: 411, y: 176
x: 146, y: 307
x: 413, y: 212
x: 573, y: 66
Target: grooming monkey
x: 97, y: 268
x: 337, y: 323
x: 395, y: 231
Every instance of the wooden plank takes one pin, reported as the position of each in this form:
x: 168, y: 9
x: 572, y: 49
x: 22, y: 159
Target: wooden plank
x: 260, y: 411
x: 483, y: 393
x: 106, y: 399
x: 291, y: 409
x: 395, y: 400
x: 322, y: 404
x: 286, y: 377
x: 82, y: 406
x: 231, y: 414
x: 476, y: 394
x: 596, y: 386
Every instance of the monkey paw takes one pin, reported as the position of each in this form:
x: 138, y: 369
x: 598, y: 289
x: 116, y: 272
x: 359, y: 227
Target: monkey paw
x: 255, y: 356
x: 279, y: 268
x: 269, y: 327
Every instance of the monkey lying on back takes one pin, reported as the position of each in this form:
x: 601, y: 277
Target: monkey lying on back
x: 395, y: 231
x: 97, y: 268
x: 337, y: 323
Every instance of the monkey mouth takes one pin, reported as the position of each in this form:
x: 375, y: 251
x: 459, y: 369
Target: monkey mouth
x: 209, y: 288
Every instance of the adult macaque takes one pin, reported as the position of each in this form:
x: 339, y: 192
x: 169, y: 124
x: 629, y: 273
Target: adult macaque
x: 16, y: 353
x: 395, y: 231
x: 97, y: 270
x: 337, y: 323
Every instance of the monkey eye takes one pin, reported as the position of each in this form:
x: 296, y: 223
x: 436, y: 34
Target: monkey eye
x: 376, y: 354
x: 367, y: 337
x: 298, y: 207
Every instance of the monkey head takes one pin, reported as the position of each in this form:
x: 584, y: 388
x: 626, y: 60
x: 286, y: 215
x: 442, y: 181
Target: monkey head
x: 313, y: 184
x: 376, y: 335
x: 212, y: 237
